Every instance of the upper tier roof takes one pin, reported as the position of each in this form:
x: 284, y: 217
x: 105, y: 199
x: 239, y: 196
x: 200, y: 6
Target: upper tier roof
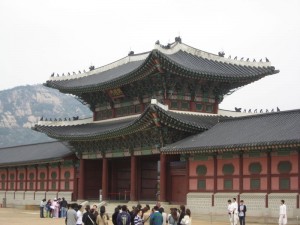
x: 176, y: 58
x: 193, y: 123
x: 272, y: 130
x: 34, y: 153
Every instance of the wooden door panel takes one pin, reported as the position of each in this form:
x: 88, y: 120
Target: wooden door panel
x: 179, y: 189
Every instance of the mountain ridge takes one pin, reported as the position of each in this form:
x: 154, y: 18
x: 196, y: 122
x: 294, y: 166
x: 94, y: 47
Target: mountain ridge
x: 21, y: 107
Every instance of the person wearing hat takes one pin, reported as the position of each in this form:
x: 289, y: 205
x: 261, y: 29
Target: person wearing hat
x: 54, y: 207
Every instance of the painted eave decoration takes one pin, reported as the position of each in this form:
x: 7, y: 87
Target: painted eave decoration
x: 153, y: 116
x: 177, y: 58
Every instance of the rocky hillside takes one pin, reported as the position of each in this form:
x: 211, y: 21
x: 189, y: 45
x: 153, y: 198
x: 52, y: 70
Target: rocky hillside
x: 21, y: 107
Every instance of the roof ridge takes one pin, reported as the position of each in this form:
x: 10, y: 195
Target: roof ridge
x: 119, y: 62
x: 170, y: 49
x: 207, y: 55
x: 261, y: 115
x: 47, y: 142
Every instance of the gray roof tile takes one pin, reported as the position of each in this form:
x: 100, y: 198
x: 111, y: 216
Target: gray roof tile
x: 106, y: 129
x: 34, y: 153
x: 187, y: 61
x: 244, y: 132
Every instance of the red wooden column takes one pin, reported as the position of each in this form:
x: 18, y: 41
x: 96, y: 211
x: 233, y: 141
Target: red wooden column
x: 163, y: 177
x: 216, y: 107
x: 241, y: 173
x: 133, y: 178
x: 187, y: 175
x: 297, y: 203
x: 7, y: 181
x: 59, y: 177
x: 81, y: 179
x: 48, y: 178
x: 26, y: 180
x: 36, y: 178
x: 215, y: 160
x: 16, y: 179
x: 104, y: 179
x: 298, y: 178
x: 269, y: 172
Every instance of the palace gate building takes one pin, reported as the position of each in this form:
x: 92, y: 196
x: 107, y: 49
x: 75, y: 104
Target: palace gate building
x: 157, y: 133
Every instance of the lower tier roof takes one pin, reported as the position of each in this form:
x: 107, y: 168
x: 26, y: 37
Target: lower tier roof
x: 280, y: 130
x: 100, y: 130
x: 34, y: 153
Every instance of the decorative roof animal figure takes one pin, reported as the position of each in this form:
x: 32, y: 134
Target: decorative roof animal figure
x: 238, y: 109
x: 221, y: 54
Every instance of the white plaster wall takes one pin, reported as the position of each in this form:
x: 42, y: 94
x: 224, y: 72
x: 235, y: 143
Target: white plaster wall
x: 66, y: 194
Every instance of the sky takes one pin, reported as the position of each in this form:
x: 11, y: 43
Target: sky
x: 38, y: 38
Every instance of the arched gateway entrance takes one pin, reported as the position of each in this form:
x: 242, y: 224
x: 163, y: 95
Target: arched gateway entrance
x: 146, y: 175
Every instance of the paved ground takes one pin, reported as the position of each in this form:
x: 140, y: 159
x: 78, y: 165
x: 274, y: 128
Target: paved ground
x: 13, y: 216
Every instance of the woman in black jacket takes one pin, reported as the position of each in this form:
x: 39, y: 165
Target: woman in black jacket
x: 115, y: 216
x: 89, y: 217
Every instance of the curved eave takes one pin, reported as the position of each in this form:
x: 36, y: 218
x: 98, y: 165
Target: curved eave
x: 146, y: 68
x: 158, y: 59
x: 233, y: 148
x: 255, y: 73
x: 143, y: 122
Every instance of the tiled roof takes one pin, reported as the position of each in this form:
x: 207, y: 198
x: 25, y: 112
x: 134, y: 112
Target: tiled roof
x: 178, y: 58
x: 34, y: 153
x: 280, y: 129
x: 192, y: 123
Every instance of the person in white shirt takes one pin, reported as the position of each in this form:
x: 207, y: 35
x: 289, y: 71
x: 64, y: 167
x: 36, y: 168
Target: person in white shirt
x: 79, y: 215
x: 164, y: 215
x: 186, y: 220
x: 235, y: 212
x: 230, y: 209
x: 42, y: 206
x: 282, y: 214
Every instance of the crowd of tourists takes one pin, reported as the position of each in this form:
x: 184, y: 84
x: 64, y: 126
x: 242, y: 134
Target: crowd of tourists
x: 55, y: 208
x: 74, y: 215
x: 156, y: 216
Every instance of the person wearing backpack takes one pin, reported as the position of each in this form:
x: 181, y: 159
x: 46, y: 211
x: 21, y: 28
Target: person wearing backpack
x: 124, y: 217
